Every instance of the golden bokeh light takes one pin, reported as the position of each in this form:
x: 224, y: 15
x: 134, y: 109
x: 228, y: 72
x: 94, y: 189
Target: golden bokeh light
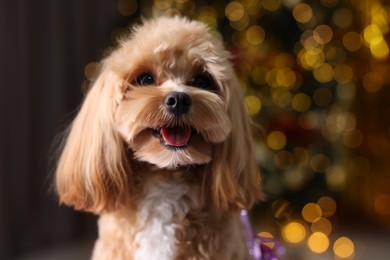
x: 318, y: 242
x: 311, y: 212
x: 302, y: 13
x: 281, y: 97
x: 285, y: 77
x: 208, y: 15
x: 352, y: 138
x: 294, y: 232
x: 328, y: 206
x: 336, y: 179
x: 335, y: 55
x: 342, y: 18
x: 241, y: 24
x: 320, y: 163
x: 234, y: 11
x: 284, y: 60
x: 255, y: 35
x: 311, y: 58
x: 372, y: 81
x: 379, y: 48
x: 271, y: 5
x: 301, y: 102
x: 253, y: 104
x: 371, y: 33
x: 344, y: 248
x: 343, y: 73
x: 323, y: 73
x: 352, y: 41
x: 322, y: 225
x: 323, y: 34
x: 276, y: 140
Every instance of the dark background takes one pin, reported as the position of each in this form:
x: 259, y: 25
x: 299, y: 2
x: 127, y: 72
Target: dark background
x: 45, y: 46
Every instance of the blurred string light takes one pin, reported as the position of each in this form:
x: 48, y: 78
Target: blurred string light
x: 314, y: 229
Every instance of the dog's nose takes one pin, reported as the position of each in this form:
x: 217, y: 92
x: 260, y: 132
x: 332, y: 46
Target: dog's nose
x: 178, y: 102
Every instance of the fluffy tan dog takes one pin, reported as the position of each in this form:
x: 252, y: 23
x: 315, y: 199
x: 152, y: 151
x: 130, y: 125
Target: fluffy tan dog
x: 161, y: 148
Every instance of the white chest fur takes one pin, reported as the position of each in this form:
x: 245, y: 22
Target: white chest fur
x: 164, y: 205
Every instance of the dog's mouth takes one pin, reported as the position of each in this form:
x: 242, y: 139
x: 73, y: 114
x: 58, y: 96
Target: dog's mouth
x: 173, y: 137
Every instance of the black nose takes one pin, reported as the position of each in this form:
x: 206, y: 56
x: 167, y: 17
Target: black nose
x: 178, y: 102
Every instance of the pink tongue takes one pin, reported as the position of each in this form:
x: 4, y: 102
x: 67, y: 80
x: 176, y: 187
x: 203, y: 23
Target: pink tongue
x: 175, y: 136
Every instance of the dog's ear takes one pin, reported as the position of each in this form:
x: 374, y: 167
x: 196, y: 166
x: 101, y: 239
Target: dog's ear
x: 235, y: 177
x: 93, y: 170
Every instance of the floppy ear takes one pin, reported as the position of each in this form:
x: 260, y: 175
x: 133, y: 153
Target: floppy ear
x: 93, y: 170
x: 235, y: 177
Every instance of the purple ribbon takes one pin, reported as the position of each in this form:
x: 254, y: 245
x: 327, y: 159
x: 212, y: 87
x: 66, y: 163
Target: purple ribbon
x: 257, y: 249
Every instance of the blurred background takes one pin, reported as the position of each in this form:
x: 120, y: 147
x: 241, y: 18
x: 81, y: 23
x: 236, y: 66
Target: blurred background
x: 317, y: 81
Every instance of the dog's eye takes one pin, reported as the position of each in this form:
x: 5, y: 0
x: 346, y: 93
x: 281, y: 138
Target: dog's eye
x: 145, y: 79
x: 203, y: 81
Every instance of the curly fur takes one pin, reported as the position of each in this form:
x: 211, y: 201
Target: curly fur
x: 156, y: 202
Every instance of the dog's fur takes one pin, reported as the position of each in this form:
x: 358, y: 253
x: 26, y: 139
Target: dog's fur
x: 156, y: 200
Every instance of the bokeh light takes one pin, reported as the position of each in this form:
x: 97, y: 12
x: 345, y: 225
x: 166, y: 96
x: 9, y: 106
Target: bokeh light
x: 322, y: 225
x: 302, y: 13
x: 318, y: 242
x: 276, y: 140
x: 328, y: 206
x: 311, y: 212
x: 294, y: 232
x: 344, y: 248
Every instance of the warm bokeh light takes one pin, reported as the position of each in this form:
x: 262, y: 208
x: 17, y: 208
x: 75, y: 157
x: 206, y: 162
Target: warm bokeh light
x: 328, y: 206
x: 372, y: 81
x: 302, y: 13
x: 322, y: 225
x: 318, y: 242
x: 352, y: 41
x: 294, y: 232
x: 253, y: 104
x: 336, y: 179
x: 320, y: 163
x: 255, y: 35
x: 344, y: 248
x: 311, y: 212
x: 234, y: 11
x: 301, y: 102
x: 276, y: 140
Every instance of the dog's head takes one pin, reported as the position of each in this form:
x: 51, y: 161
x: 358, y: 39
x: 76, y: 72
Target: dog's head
x: 168, y: 96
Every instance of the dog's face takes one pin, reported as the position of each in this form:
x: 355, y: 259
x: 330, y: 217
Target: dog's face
x: 168, y: 95
x: 174, y: 105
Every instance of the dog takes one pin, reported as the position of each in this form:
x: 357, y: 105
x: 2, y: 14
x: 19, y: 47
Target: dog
x: 161, y: 148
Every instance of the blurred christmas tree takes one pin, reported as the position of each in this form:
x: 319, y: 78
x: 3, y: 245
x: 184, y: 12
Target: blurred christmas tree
x: 317, y: 80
